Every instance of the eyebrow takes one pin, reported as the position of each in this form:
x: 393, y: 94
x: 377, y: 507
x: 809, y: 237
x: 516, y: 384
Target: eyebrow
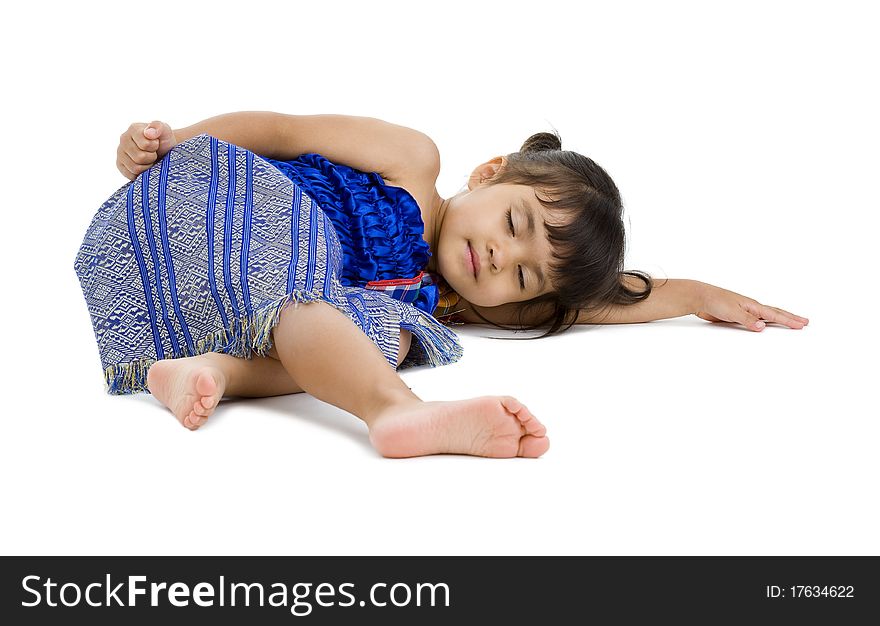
x: 530, y: 217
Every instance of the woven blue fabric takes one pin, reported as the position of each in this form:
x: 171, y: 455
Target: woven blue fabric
x: 201, y: 253
x: 379, y: 226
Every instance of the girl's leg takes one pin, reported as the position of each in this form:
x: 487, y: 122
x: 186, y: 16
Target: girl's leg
x: 331, y: 359
x: 260, y: 377
x: 191, y: 387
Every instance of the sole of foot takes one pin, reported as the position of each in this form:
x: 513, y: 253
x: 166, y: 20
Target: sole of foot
x: 190, y: 387
x: 489, y: 426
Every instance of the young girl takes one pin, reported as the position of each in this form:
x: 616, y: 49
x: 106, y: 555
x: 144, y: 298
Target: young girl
x: 258, y: 254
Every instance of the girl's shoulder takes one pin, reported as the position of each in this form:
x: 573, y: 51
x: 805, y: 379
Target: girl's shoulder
x: 420, y: 181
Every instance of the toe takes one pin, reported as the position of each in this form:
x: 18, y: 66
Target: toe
x: 511, y: 404
x: 193, y: 420
x: 533, y: 447
x: 208, y: 402
x: 533, y: 426
x: 205, y: 384
x: 529, y: 422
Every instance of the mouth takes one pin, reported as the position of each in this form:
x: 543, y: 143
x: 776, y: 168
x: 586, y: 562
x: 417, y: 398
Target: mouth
x: 474, y: 260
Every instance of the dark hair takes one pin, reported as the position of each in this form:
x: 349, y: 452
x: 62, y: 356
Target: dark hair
x: 588, y: 251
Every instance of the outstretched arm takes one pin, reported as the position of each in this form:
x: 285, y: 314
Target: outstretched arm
x: 677, y: 297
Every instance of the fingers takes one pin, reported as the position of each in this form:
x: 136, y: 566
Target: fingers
x: 779, y: 316
x: 128, y: 166
x: 158, y: 134
x: 138, y: 147
x: 756, y: 313
x: 123, y: 169
x: 146, y: 136
x: 792, y: 316
x: 753, y: 323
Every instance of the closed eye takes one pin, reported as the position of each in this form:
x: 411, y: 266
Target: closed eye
x: 522, y: 282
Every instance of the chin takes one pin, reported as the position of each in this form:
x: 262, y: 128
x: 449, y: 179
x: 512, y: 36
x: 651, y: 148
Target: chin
x: 464, y: 290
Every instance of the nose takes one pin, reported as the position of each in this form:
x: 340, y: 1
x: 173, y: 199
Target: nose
x: 498, y: 259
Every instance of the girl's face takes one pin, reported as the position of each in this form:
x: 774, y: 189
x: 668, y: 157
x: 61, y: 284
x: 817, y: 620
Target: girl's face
x: 512, y: 265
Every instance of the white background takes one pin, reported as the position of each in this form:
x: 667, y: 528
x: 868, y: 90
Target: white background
x: 744, y: 141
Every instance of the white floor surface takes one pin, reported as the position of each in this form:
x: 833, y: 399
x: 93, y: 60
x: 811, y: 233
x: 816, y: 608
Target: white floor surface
x: 746, y: 152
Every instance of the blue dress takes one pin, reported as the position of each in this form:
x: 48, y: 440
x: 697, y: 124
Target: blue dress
x: 379, y: 226
x: 203, y: 251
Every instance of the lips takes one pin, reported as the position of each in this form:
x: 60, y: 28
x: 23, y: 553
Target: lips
x: 475, y: 258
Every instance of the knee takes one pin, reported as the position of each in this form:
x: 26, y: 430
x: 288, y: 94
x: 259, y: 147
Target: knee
x: 297, y: 318
x: 303, y: 311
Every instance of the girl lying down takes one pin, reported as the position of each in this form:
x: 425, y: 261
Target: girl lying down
x: 258, y: 254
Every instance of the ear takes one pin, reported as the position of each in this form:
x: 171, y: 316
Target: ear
x: 486, y: 170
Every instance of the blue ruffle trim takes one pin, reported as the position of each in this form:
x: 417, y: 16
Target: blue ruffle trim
x: 379, y: 226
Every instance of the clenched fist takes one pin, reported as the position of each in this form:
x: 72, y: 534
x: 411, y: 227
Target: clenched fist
x: 142, y: 145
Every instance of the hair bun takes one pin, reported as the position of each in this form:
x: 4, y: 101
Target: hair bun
x: 541, y: 142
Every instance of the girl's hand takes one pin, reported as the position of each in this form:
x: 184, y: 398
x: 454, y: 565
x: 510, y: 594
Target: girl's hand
x: 141, y: 145
x: 721, y: 305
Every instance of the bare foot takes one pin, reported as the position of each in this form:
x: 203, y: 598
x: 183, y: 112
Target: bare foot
x: 190, y: 387
x: 493, y: 426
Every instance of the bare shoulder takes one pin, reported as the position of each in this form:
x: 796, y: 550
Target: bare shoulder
x: 425, y: 157
x: 420, y: 165
x: 419, y: 176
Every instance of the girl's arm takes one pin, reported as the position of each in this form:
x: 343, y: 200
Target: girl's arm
x: 671, y: 298
x: 677, y: 297
x: 363, y: 143
x: 668, y: 298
